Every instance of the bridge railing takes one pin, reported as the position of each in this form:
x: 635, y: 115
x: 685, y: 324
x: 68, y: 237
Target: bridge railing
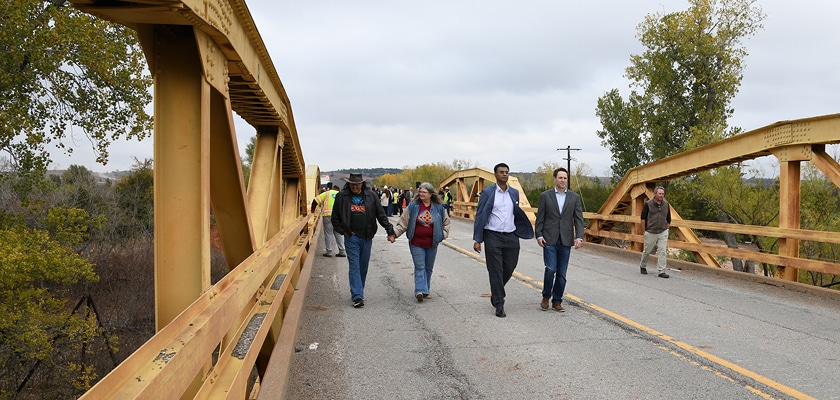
x: 791, y: 142
x: 222, y: 337
x: 722, y: 251
x: 466, y: 210
x: 208, y: 61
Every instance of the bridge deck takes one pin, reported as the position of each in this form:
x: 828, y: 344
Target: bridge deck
x: 700, y: 334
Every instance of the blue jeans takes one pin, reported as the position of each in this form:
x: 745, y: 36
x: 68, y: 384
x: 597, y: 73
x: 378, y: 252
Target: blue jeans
x: 358, y: 258
x: 424, y: 262
x: 556, y: 259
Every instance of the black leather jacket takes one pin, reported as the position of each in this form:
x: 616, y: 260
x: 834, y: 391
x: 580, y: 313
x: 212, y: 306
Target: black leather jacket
x: 341, y: 213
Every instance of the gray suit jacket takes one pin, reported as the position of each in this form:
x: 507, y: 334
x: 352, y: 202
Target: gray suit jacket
x: 554, y: 227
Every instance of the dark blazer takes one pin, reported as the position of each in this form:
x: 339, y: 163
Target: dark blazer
x: 554, y: 227
x: 524, y: 229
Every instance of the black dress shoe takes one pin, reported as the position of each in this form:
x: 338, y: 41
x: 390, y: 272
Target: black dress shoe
x: 500, y: 312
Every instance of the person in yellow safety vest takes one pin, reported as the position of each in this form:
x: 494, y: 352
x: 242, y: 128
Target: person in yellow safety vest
x: 326, y: 200
x: 447, y: 200
x: 397, y: 198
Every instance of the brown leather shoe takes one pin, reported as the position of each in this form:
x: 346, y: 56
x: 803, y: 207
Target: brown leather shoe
x: 557, y: 307
x: 544, y: 303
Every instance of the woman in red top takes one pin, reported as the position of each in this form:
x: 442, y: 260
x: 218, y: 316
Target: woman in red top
x: 425, y: 224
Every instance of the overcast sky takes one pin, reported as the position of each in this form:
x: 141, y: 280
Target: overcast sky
x: 404, y: 83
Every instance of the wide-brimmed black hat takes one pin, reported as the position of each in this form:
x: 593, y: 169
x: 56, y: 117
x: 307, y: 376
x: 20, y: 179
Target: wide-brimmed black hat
x: 355, y: 178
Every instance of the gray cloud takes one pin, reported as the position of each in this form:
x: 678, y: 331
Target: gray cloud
x: 394, y: 84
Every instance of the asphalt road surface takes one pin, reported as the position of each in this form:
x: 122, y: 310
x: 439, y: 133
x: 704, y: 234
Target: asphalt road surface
x: 701, y: 334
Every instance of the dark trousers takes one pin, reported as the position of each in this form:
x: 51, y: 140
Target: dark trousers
x: 501, y: 252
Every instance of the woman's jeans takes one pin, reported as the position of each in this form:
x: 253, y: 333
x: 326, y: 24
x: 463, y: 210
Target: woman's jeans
x: 358, y: 258
x: 556, y: 259
x: 424, y: 262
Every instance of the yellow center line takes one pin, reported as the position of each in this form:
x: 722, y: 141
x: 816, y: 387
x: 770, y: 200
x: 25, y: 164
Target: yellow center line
x: 537, y: 284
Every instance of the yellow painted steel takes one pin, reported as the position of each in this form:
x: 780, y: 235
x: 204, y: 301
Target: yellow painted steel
x: 260, y: 187
x: 789, y: 195
x: 208, y: 61
x: 181, y: 174
x: 791, y: 142
x: 464, y: 202
x: 227, y: 188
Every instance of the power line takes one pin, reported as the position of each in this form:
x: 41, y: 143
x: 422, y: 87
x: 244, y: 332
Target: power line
x: 568, y: 157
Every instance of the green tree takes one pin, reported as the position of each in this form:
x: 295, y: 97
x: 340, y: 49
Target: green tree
x: 36, y: 326
x: 819, y: 202
x: 248, y: 161
x: 432, y: 173
x: 64, y: 73
x: 546, y: 172
x: 622, y: 132
x: 135, y: 201
x: 81, y: 189
x: 731, y: 198
x: 682, y: 84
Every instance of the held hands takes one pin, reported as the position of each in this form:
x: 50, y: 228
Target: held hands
x: 392, y: 238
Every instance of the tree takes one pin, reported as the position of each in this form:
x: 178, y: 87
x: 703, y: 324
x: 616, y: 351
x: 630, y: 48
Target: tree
x: 546, y: 172
x: 67, y: 72
x: 248, y: 161
x: 621, y: 132
x: 460, y: 165
x: 432, y: 173
x: 684, y: 82
x: 135, y: 203
x: 819, y: 199
x: 36, y: 327
x: 81, y: 189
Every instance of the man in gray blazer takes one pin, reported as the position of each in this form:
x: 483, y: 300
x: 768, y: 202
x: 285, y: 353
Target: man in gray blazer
x: 558, y: 227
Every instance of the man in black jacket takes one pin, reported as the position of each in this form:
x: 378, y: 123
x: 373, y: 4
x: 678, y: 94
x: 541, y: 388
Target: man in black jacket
x: 355, y: 214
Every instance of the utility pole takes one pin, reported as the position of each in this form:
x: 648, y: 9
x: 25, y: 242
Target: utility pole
x: 569, y: 158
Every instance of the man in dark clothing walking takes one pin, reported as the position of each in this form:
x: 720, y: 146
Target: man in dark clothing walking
x: 656, y: 215
x: 355, y: 214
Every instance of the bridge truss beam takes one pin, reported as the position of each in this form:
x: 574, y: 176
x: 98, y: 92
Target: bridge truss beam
x: 208, y: 61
